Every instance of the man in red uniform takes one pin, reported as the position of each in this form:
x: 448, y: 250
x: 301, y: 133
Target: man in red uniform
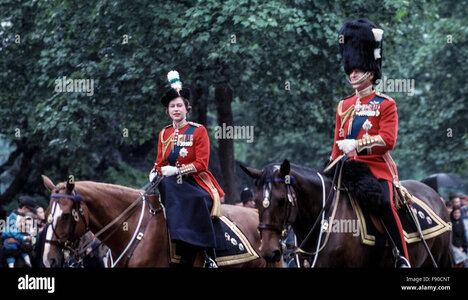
x: 367, y: 122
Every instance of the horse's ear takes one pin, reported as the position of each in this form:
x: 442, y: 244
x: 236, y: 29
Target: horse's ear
x: 70, y: 184
x: 48, y: 183
x: 285, y: 168
x: 252, y: 172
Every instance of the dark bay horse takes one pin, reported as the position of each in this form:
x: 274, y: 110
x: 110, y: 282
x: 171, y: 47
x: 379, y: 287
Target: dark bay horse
x: 299, y: 204
x: 101, y: 203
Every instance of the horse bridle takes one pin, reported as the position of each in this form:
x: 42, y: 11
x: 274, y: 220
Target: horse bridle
x: 77, y: 212
x: 282, y: 229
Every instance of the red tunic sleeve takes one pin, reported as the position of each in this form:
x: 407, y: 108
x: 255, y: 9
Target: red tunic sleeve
x: 160, y: 160
x: 388, y: 127
x: 202, y: 146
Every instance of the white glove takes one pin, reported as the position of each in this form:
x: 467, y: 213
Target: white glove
x: 347, y: 145
x: 152, y: 174
x: 169, y: 171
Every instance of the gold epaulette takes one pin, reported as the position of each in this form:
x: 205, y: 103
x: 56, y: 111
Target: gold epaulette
x: 170, y: 125
x: 195, y: 124
x: 383, y: 95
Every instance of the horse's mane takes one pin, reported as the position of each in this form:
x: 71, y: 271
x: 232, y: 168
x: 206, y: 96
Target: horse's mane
x: 270, y: 169
x: 87, y: 187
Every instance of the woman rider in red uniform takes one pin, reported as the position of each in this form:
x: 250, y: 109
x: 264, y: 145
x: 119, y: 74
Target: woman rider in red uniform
x: 190, y: 193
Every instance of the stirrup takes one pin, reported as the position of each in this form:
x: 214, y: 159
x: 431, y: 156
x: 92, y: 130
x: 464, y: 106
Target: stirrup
x: 209, y: 263
x: 402, y: 262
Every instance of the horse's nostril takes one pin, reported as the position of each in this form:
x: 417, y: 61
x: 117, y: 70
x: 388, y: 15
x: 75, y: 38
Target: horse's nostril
x: 54, y: 262
x: 273, y: 256
x: 276, y: 255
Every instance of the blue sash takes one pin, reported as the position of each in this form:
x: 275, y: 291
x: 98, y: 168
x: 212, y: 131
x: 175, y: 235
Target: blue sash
x: 359, y: 120
x: 174, y: 155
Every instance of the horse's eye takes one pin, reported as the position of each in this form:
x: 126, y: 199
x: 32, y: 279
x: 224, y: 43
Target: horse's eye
x: 66, y: 216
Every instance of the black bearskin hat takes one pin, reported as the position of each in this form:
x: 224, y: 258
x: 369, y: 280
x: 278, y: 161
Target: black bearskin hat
x: 360, y: 43
x: 176, y: 90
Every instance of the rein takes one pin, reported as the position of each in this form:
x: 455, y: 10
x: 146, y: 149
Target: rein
x: 138, y: 235
x: 326, y: 205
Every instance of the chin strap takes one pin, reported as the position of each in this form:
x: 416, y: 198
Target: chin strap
x: 360, y: 79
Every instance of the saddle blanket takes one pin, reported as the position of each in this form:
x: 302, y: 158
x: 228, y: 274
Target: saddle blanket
x: 232, y: 245
x: 431, y: 224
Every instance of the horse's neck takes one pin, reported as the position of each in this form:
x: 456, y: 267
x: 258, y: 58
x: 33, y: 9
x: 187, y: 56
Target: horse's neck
x: 105, y: 203
x: 310, y: 203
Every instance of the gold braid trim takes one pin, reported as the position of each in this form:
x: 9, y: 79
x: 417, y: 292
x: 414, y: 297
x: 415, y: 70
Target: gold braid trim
x: 369, y: 142
x: 349, y: 113
x: 166, y: 143
x: 216, y: 209
x: 399, y: 203
x: 186, y: 169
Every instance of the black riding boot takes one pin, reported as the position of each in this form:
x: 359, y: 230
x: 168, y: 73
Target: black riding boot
x: 391, y: 227
x: 395, y: 240
x: 187, y: 254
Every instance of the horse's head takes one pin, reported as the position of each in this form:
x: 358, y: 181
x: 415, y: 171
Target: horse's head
x: 66, y: 222
x: 275, y: 196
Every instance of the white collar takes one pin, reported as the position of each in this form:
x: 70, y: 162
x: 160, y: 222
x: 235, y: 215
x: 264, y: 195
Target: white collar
x: 180, y: 124
x: 365, y: 92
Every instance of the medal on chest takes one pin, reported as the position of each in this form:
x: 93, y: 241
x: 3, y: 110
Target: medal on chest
x: 367, y: 126
x: 183, y: 152
x: 370, y: 109
x: 185, y: 140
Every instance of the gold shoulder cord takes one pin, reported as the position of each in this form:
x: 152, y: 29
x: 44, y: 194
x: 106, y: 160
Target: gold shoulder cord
x: 166, y: 143
x: 349, y: 113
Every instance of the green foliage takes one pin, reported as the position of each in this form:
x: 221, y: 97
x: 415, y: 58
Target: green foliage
x: 125, y: 175
x: 279, y: 57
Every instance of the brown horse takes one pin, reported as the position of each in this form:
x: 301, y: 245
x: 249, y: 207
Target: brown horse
x: 85, y: 205
x: 291, y: 195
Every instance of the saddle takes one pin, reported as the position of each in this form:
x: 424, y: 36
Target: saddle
x: 232, y: 246
x: 365, y: 194
x: 431, y: 224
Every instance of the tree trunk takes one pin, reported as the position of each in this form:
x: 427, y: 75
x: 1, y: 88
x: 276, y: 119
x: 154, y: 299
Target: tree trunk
x: 199, y: 105
x: 223, y: 98
x: 21, y: 178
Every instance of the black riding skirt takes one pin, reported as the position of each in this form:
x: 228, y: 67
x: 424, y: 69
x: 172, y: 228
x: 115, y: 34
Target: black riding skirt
x: 188, y: 208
